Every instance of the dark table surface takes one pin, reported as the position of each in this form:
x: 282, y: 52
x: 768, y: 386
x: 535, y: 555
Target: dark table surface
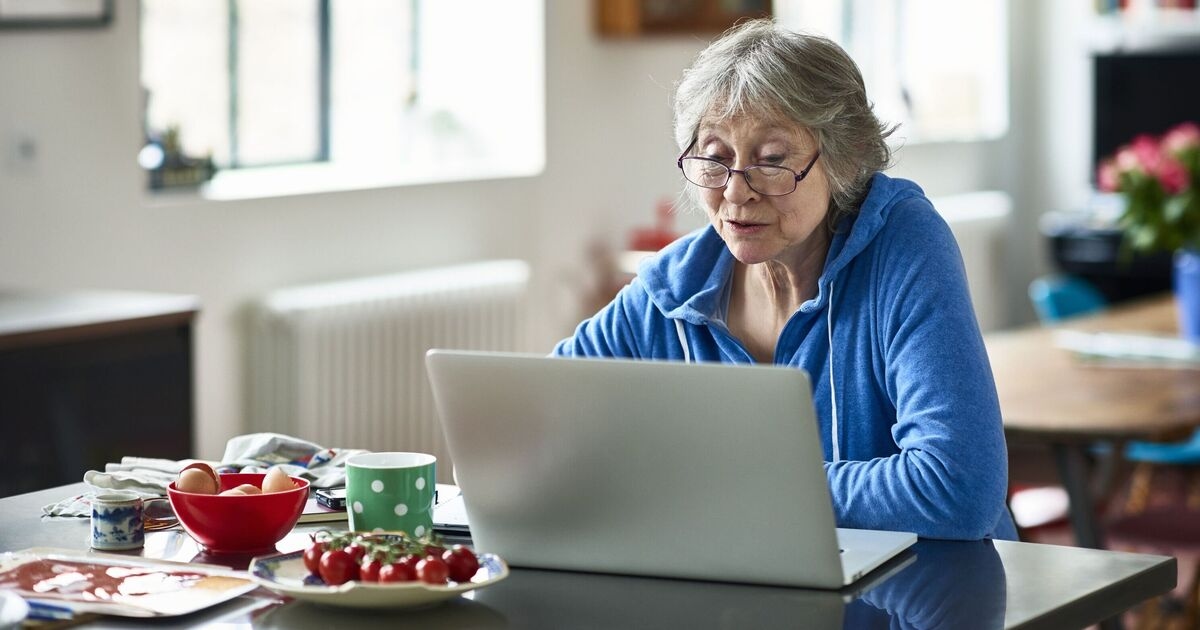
x: 935, y: 584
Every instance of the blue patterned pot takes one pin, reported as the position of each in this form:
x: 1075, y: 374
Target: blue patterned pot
x: 117, y: 521
x: 1187, y: 293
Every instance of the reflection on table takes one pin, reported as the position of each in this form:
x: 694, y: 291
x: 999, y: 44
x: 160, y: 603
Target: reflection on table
x: 903, y: 594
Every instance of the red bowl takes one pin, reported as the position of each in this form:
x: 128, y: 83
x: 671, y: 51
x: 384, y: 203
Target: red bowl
x: 241, y: 524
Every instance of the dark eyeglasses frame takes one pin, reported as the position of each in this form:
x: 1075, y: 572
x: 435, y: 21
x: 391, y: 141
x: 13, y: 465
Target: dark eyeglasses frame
x: 730, y: 171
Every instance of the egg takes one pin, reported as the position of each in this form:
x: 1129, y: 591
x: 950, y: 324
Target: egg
x: 208, y: 470
x: 277, y: 481
x: 197, y: 481
x: 243, y: 489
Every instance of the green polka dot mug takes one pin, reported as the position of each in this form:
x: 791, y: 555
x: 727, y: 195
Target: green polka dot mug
x: 391, y: 492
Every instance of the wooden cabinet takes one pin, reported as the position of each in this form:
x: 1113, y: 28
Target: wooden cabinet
x: 632, y: 18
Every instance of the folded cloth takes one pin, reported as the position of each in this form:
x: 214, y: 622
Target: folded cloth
x: 255, y: 452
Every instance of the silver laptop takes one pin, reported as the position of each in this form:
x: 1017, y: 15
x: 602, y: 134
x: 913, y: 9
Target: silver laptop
x: 702, y: 471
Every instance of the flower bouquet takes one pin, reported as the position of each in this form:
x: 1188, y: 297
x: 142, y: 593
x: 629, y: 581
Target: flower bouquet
x: 1159, y: 178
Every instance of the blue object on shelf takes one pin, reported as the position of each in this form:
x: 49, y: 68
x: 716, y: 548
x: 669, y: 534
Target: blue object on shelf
x: 1187, y: 292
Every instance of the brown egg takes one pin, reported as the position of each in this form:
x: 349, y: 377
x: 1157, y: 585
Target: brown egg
x: 277, y: 481
x: 208, y: 470
x: 243, y: 489
x: 233, y: 492
x: 197, y: 481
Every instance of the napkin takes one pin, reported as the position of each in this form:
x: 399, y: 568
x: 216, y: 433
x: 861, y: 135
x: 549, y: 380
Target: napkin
x: 1130, y: 349
x: 255, y: 452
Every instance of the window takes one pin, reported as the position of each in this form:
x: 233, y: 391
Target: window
x: 291, y: 96
x: 937, y: 67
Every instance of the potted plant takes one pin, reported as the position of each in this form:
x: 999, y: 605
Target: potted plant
x: 1159, y: 178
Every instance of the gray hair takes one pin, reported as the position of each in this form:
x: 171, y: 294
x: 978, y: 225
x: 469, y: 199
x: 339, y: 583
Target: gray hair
x: 762, y: 69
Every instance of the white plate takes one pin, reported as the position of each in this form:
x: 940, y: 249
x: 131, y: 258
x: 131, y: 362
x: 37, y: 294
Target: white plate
x: 285, y: 573
x: 13, y: 610
x: 166, y: 588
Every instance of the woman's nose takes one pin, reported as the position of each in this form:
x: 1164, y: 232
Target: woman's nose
x: 737, y: 189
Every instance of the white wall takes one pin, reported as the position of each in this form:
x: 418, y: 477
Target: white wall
x: 78, y: 217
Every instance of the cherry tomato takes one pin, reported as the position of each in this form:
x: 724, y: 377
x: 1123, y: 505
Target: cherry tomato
x: 357, y: 552
x: 337, y: 567
x: 434, y: 550
x: 461, y: 562
x: 432, y: 570
x: 402, y: 570
x: 368, y: 569
x: 312, y: 557
x: 409, y: 560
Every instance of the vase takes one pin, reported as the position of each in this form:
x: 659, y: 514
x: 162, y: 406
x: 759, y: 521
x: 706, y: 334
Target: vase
x: 1187, y: 293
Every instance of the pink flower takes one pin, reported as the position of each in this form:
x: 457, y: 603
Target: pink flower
x: 1172, y: 175
x: 1183, y: 137
x: 1166, y: 160
x: 1108, y: 177
x: 1148, y: 152
x: 1127, y: 160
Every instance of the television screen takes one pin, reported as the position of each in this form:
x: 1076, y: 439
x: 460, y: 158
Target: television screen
x: 1143, y: 92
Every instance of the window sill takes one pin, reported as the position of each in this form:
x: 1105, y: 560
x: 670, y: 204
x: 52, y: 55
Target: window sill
x: 904, y: 138
x: 315, y: 179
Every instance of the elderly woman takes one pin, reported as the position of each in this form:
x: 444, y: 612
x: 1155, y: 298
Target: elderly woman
x: 815, y: 259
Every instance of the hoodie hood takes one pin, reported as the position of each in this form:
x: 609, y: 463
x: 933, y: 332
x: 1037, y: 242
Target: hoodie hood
x: 687, y: 279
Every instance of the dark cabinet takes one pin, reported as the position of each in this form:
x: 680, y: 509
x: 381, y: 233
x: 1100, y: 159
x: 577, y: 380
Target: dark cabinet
x: 88, y: 377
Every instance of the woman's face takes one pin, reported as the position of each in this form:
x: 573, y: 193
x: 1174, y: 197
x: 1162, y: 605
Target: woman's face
x: 755, y: 227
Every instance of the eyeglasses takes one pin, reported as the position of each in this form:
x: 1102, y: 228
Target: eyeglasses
x: 771, y: 181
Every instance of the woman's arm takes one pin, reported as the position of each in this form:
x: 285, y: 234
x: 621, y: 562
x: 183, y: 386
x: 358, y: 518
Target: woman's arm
x: 950, y: 477
x: 607, y: 333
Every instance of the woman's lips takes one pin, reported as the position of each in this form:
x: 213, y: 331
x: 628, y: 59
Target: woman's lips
x: 744, y: 227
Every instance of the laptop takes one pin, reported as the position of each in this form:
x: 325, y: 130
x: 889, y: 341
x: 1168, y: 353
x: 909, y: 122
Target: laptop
x: 655, y: 468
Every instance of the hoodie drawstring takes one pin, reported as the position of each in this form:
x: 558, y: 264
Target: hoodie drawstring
x: 687, y: 352
x: 833, y: 427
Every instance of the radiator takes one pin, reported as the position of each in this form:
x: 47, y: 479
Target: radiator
x: 342, y: 364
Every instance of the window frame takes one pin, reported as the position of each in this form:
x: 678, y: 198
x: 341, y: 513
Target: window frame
x: 332, y: 173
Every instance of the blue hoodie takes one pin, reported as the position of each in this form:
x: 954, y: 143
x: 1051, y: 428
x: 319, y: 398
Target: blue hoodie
x: 905, y: 400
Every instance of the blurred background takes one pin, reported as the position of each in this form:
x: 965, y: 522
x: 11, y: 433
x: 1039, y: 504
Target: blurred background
x: 231, y: 150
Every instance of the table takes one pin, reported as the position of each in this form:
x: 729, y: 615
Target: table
x: 939, y: 584
x: 74, y: 364
x: 1048, y: 396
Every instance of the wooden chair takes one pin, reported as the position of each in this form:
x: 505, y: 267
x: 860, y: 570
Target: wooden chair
x: 1162, y: 516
